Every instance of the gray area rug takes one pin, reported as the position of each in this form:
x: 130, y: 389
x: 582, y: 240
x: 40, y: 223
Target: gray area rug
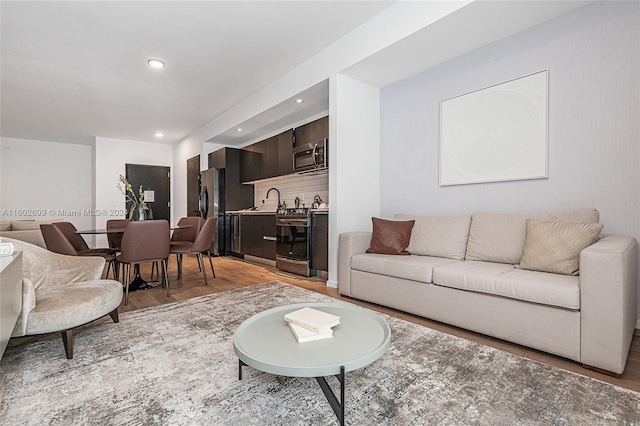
x: 175, y: 365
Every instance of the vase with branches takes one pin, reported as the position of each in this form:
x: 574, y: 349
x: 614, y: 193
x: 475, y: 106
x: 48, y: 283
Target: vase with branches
x: 139, y: 209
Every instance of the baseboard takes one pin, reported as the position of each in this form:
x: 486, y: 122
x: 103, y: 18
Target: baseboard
x: 331, y: 283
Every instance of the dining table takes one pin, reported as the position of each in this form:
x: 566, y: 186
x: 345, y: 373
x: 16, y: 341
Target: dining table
x: 138, y: 283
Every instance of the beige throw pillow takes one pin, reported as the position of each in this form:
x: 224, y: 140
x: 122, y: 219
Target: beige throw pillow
x: 555, y: 246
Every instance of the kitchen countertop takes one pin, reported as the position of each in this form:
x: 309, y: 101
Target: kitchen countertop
x: 271, y: 212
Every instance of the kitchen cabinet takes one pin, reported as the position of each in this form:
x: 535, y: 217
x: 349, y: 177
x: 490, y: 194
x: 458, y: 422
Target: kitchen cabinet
x: 252, y: 164
x: 258, y: 235
x: 320, y: 241
x: 312, y: 132
x: 285, y: 153
x: 236, y: 195
x: 268, y: 158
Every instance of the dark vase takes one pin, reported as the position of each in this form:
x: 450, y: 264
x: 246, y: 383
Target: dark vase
x: 140, y: 212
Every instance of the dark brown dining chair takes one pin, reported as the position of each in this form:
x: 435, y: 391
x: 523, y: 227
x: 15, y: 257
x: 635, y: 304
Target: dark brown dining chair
x: 115, y: 238
x: 202, y: 244
x: 57, y: 242
x: 142, y: 242
x: 70, y: 232
x: 192, y: 226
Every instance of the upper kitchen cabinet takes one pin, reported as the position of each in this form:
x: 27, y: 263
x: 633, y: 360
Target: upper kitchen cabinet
x: 268, y: 158
x: 313, y: 131
x: 285, y: 153
x: 252, y: 163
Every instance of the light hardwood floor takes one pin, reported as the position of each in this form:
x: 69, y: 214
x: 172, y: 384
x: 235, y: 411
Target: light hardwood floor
x: 234, y: 273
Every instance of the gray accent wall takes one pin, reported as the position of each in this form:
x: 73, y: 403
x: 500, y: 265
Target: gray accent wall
x: 593, y: 58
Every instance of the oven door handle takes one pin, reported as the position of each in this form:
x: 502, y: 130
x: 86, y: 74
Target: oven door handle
x: 292, y: 222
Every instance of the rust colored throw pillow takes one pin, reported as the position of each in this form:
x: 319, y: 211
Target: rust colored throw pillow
x: 390, y: 236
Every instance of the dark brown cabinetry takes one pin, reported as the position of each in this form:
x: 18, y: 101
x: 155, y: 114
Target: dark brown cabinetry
x: 320, y: 241
x: 285, y: 153
x: 236, y: 195
x: 268, y: 158
x: 313, y: 131
x: 258, y: 235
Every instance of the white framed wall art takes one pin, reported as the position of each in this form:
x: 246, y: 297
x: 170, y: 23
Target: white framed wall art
x: 494, y: 134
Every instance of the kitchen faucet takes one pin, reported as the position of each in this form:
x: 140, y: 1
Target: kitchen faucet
x: 276, y: 189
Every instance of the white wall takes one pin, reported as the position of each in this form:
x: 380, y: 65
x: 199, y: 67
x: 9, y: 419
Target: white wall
x: 111, y: 155
x: 593, y: 58
x: 182, y: 151
x: 54, y: 179
x: 354, y: 161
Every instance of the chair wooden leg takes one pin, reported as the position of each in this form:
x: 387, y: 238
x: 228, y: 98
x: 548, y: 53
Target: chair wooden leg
x: 165, y: 277
x: 67, y: 340
x: 114, y: 315
x: 116, y: 270
x: 127, y: 268
x: 201, y: 263
x: 108, y: 269
x: 211, y: 263
x: 179, y: 260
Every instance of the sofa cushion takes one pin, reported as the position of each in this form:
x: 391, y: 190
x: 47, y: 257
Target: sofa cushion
x: 506, y: 281
x: 555, y: 247
x: 500, y: 237
x: 439, y: 236
x: 30, y: 225
x: 415, y: 268
x: 470, y: 275
x: 558, y: 290
x: 390, y: 236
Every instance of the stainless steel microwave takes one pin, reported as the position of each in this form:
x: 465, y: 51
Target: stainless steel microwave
x: 310, y: 156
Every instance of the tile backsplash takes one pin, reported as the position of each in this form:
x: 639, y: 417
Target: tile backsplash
x: 304, y: 186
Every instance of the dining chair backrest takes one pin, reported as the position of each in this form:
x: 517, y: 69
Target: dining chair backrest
x: 115, y: 239
x: 205, y: 236
x: 187, y: 234
x: 69, y: 231
x: 55, y: 240
x: 145, y: 240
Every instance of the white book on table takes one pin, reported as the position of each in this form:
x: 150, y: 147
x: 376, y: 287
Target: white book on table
x: 313, y: 319
x: 305, y: 335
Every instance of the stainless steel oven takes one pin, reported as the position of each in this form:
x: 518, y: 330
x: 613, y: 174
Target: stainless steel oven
x: 310, y: 156
x: 293, y: 241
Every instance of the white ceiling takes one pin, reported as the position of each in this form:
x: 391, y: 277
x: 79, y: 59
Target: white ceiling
x: 71, y: 71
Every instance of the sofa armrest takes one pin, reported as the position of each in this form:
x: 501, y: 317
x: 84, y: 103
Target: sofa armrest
x: 608, y: 301
x: 350, y: 243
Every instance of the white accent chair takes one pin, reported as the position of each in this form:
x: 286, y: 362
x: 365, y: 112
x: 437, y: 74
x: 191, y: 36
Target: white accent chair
x: 60, y: 293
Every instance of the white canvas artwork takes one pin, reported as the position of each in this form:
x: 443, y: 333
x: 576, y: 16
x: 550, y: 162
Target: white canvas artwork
x: 495, y: 134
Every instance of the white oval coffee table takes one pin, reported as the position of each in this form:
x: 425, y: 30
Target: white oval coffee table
x: 266, y: 343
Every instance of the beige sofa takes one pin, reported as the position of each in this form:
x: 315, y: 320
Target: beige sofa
x: 464, y: 271
x: 24, y: 230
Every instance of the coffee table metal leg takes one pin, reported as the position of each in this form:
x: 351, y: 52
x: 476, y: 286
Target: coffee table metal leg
x: 338, y: 406
x: 240, y: 365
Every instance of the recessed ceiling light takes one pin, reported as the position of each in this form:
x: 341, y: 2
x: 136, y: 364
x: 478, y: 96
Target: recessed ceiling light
x: 156, y: 63
x: 158, y: 134
x: 238, y: 129
x: 299, y: 101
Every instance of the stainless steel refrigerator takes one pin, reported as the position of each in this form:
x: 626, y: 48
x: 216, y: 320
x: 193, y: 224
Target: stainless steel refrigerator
x: 211, y: 204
